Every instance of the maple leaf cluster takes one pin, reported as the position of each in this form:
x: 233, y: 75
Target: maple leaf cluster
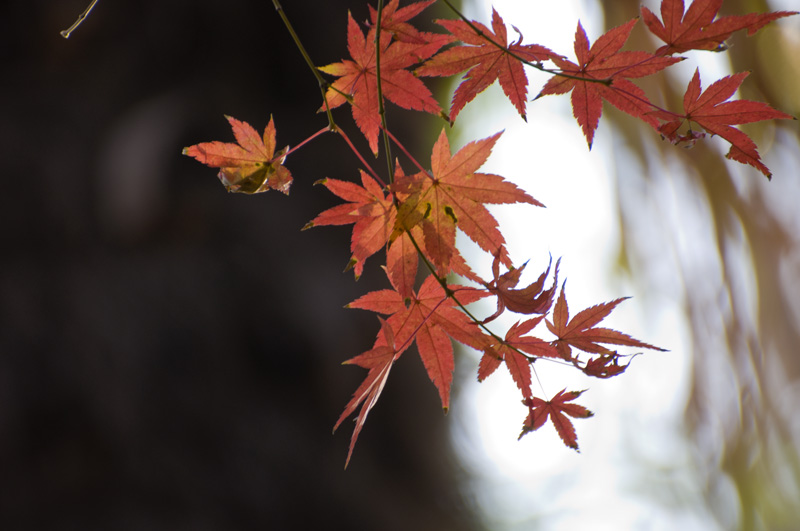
x: 414, y: 217
x: 604, y: 73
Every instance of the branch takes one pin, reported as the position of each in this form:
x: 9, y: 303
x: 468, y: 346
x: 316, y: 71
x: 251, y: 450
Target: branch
x: 323, y: 85
x: 67, y: 32
x: 381, y: 109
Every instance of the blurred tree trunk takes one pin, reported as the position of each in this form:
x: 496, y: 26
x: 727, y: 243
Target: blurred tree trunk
x: 728, y: 241
x: 170, y: 355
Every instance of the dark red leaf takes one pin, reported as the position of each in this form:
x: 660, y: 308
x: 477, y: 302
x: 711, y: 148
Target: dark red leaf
x: 556, y: 410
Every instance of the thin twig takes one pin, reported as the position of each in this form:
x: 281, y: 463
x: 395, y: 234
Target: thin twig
x: 364, y: 162
x: 323, y: 84
x: 505, y: 49
x: 381, y: 109
x: 301, y: 144
x: 410, y: 157
x: 67, y: 32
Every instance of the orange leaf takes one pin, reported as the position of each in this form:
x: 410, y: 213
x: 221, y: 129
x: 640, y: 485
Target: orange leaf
x: 379, y: 361
x: 358, y: 78
x: 603, y: 61
x: 395, y: 21
x: 429, y: 318
x: 251, y: 166
x: 580, y: 331
x: 487, y: 59
x: 454, y: 196
x: 368, y: 208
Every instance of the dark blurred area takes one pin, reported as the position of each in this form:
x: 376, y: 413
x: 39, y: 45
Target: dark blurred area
x: 170, y: 353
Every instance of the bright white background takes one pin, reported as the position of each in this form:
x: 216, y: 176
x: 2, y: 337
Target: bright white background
x: 634, y: 439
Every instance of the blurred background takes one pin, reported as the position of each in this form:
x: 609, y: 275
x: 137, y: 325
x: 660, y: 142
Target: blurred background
x: 732, y: 239
x: 170, y: 354
x: 703, y: 437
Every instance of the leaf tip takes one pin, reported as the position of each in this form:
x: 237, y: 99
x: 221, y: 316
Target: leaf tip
x: 350, y: 265
x: 446, y: 118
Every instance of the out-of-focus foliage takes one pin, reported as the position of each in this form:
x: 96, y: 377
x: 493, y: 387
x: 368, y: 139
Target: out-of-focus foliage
x: 726, y: 245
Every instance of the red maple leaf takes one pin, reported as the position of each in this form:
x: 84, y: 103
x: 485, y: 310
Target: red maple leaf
x: 379, y: 361
x: 580, y: 331
x: 402, y: 261
x: 454, y: 196
x: 696, y: 29
x: 511, y: 352
x: 358, y: 79
x: 251, y: 166
x: 556, y: 410
x: 378, y: 221
x: 530, y: 299
x: 429, y: 318
x: 710, y: 110
x: 604, y: 366
x: 395, y: 20
x: 372, y: 212
x: 607, y: 72
x: 487, y: 58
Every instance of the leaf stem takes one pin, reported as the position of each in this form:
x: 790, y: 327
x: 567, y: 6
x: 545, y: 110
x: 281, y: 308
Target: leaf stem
x: 372, y: 172
x: 647, y: 102
x: 450, y: 293
x: 304, y: 142
x: 323, y: 84
x: 407, y: 154
x: 381, y: 109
